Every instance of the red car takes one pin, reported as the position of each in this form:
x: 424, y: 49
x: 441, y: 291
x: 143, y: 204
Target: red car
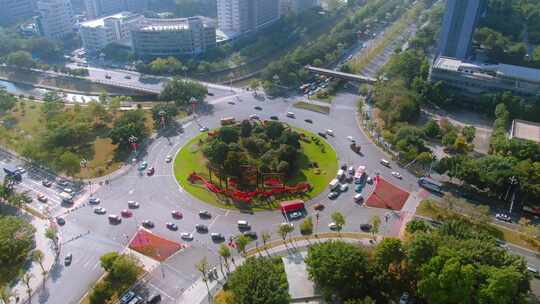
x: 176, y: 214
x: 150, y: 171
x: 126, y: 213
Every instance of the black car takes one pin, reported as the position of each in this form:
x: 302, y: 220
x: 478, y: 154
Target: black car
x: 231, y: 103
x: 257, y: 108
x: 60, y: 221
x: 154, y: 298
x: 148, y: 224
x: 274, y: 118
x: 205, y: 214
x: 68, y: 259
x: 217, y: 237
x: 201, y: 228
x: 308, y: 120
x: 321, y: 134
x: 365, y: 227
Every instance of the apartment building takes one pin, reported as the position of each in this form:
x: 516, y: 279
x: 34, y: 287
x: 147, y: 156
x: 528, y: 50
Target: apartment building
x: 242, y: 16
x: 15, y: 10
x: 98, y: 33
x: 55, y: 18
x: 100, y: 8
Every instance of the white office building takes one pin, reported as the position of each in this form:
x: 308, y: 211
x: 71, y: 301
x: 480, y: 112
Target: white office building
x: 55, y: 18
x: 242, y: 16
x: 97, y: 34
x: 100, y: 8
x: 470, y: 77
x: 173, y: 37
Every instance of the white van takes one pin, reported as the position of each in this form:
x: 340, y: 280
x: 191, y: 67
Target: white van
x: 385, y: 163
x: 291, y: 115
x: 334, y: 184
x: 243, y: 224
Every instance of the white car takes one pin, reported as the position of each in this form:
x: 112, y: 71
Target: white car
x: 203, y: 129
x: 168, y: 158
x: 343, y: 187
x: 350, y: 138
x: 332, y: 226
x: 396, y: 175
x: 186, y: 236
x: 99, y: 210
x: 133, y: 204
x: 253, y: 116
x: 330, y: 132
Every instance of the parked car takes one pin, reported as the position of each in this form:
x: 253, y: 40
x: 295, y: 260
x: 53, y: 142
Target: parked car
x: 154, y: 298
x: 41, y: 197
x: 176, y: 214
x: 358, y: 198
x: 68, y: 259
x: 143, y: 165
x: 358, y: 188
x: 503, y: 217
x: 171, y: 226
x: 148, y: 224
x: 295, y: 215
x: 343, y: 187
x: 333, y: 195
x: 186, y: 236
x: 47, y: 183
x: 133, y: 204
x: 127, y: 297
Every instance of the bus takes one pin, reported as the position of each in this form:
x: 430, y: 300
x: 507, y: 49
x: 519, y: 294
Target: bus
x: 227, y: 121
x: 430, y: 184
x: 359, y: 174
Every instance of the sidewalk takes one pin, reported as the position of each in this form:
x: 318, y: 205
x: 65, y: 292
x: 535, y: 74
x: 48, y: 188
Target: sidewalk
x: 38, y: 277
x: 198, y: 294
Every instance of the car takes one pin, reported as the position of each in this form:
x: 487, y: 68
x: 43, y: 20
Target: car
x: 41, y: 197
x: 126, y: 213
x: 321, y: 134
x: 274, y: 117
x: 257, y: 108
x: 127, y: 297
x: 365, y: 227
x: 533, y: 270
x: 168, y: 158
x: 21, y: 170
x: 171, y: 226
x: 253, y: 116
x: 250, y: 234
x: 358, y: 198
x: 295, y: 215
x: 319, y: 207
x: 100, y: 210
x: 333, y: 195
x: 396, y: 175
x: 68, y: 190
x: 201, y: 228
x: 350, y: 138
x: 308, y: 120
x: 332, y: 226
x: 231, y: 103
x: 217, y: 236
x: 108, y: 76
x: 205, y: 214
x: 203, y: 129
x: 94, y: 201
x: 404, y: 299
x: 369, y: 180
x: 291, y: 115
x: 127, y: 77
x: 385, y: 163
x: 503, y: 217
x: 143, y: 166
x: 46, y: 183
x: 133, y: 205
x: 358, y: 188
x: 62, y: 182
x: 343, y: 187
x: 151, y: 171
x: 60, y: 221
x: 68, y: 259
x: 154, y: 298
x: 330, y: 132
x: 186, y: 236
x: 176, y: 214
x: 148, y: 224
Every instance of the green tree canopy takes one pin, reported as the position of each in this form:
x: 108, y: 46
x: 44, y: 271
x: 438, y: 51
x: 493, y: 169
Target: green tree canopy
x: 181, y: 91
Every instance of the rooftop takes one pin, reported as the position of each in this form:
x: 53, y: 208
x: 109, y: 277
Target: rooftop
x: 501, y: 70
x: 175, y: 24
x: 525, y: 130
x: 100, y: 22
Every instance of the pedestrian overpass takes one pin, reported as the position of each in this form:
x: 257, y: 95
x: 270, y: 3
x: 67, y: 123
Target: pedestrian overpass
x: 341, y: 75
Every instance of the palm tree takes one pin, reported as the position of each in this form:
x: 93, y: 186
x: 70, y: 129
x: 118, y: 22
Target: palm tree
x: 265, y: 236
x: 339, y: 220
x: 203, y: 267
x: 6, y: 294
x: 225, y: 253
x: 26, y: 280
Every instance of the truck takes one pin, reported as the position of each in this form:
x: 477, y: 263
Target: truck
x: 13, y: 173
x: 227, y: 121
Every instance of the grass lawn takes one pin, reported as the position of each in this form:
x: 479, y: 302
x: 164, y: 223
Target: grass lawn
x: 498, y: 231
x: 190, y: 159
x: 312, y: 107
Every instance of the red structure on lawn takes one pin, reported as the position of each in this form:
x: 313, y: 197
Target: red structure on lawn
x: 154, y: 246
x: 386, y: 195
x: 247, y: 196
x: 290, y: 206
